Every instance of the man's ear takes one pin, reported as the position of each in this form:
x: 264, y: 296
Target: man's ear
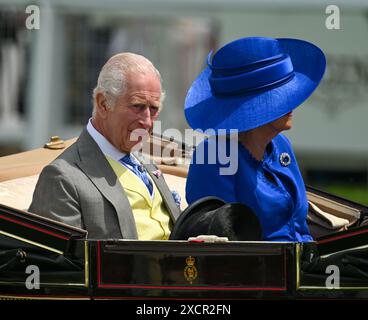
x: 101, y: 105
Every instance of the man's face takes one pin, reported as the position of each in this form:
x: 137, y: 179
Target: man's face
x: 137, y: 108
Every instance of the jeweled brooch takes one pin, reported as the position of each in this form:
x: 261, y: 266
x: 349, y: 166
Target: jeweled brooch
x: 285, y: 159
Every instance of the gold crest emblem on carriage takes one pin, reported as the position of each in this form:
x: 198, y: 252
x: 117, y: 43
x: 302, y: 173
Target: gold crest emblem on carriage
x: 190, y: 271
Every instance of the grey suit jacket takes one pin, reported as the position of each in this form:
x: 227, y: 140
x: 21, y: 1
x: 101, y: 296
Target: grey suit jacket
x: 81, y: 189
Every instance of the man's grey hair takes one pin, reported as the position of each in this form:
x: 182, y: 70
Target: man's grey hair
x: 112, y: 78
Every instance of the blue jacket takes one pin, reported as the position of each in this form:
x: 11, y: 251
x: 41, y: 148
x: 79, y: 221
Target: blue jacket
x: 276, y: 193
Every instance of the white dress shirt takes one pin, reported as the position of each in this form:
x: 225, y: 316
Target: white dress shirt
x: 106, y: 147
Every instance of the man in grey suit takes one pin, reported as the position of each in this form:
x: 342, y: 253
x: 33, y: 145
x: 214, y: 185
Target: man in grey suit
x: 91, y: 184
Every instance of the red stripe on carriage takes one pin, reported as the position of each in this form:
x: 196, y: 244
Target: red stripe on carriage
x: 342, y: 236
x: 34, y: 227
x: 192, y: 287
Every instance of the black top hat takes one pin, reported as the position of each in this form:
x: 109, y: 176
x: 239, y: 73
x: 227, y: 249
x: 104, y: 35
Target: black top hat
x: 213, y: 216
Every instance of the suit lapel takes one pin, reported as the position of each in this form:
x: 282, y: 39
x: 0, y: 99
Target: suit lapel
x: 94, y: 164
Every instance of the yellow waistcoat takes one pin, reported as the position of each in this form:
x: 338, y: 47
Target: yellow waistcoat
x: 150, y: 214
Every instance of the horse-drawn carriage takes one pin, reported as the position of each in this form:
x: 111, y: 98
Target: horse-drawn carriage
x: 43, y: 259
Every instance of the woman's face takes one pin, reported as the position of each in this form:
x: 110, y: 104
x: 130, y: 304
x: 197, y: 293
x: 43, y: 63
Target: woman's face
x: 283, y: 123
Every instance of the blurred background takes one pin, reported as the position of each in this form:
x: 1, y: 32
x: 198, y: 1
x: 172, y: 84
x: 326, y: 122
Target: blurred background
x: 47, y: 75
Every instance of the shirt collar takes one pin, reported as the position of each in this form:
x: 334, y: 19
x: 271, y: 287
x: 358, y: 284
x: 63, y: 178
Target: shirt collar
x: 106, y: 147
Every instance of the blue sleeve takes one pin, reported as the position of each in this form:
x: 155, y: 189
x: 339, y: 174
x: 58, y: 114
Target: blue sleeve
x: 204, y: 179
x: 305, y: 233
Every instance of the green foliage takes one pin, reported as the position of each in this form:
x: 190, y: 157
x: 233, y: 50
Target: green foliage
x: 356, y: 193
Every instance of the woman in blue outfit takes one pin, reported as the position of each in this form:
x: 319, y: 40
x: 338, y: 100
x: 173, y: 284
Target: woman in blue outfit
x: 252, y: 85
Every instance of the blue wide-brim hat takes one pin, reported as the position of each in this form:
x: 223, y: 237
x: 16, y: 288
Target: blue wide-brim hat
x: 253, y: 81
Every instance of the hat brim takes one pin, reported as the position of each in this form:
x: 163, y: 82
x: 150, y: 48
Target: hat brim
x: 212, y: 216
x: 200, y: 206
x: 204, y: 111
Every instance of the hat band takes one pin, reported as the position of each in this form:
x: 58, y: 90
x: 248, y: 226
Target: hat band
x: 264, y: 78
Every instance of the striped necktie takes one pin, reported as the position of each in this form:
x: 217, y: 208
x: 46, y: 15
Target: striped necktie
x: 138, y: 169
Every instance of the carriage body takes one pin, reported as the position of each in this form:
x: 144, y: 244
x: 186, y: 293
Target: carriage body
x: 72, y: 266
